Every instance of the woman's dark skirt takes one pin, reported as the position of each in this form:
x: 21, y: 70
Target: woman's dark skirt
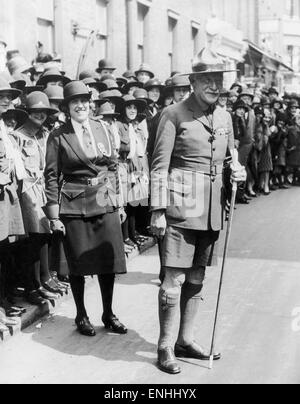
x: 94, y: 246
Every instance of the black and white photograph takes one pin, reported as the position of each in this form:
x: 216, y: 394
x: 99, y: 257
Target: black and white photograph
x: 149, y: 195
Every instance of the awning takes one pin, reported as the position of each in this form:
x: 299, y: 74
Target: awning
x: 257, y: 55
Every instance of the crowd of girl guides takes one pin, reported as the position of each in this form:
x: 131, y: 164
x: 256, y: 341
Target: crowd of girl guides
x: 33, y: 105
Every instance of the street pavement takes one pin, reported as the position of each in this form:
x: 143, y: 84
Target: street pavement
x: 259, y: 333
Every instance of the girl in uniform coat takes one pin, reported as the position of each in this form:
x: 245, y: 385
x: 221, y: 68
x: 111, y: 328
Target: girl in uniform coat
x: 293, y: 149
x: 11, y: 172
x: 135, y: 176
x: 32, y: 138
x: 86, y: 209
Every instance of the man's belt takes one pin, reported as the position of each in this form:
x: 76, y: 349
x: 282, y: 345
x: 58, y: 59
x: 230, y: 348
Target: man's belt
x: 212, y: 170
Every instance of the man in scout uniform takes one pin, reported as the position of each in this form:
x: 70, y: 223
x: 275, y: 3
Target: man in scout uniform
x: 192, y: 140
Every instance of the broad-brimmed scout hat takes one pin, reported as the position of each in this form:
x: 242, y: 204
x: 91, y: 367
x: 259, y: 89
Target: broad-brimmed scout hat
x: 207, y: 62
x: 106, y: 110
x: 19, y: 115
x: 39, y: 102
x: 5, y: 87
x: 73, y: 90
x: 55, y: 93
x: 140, y: 104
x: 90, y: 82
x: 145, y: 68
x: 53, y: 75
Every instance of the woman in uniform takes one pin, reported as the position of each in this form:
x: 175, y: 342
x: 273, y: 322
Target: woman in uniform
x: 32, y: 139
x: 11, y: 172
x: 135, y: 178
x: 85, y: 208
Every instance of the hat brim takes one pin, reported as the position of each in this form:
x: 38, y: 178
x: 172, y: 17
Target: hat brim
x: 48, y: 111
x: 12, y: 91
x: 152, y: 75
x: 30, y: 89
x: 132, y: 84
x: 98, y: 70
x: 140, y: 104
x: 18, y: 85
x: 44, y: 80
x: 20, y: 115
x: 110, y: 114
x: 208, y: 72
x: 67, y: 100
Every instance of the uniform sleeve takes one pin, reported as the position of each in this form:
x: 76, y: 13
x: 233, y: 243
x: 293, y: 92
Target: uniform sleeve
x: 163, y: 150
x: 53, y: 170
x: 230, y: 133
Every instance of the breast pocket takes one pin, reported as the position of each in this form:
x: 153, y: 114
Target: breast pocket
x: 31, y: 158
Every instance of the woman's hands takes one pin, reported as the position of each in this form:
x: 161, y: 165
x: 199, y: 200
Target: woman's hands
x: 56, y: 226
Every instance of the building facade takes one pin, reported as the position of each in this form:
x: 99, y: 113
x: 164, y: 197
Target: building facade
x: 280, y: 31
x: 164, y: 33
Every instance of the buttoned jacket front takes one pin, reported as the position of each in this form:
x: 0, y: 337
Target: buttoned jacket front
x: 81, y: 187
x: 187, y: 165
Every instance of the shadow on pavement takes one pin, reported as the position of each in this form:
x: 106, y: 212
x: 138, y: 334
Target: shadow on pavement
x: 60, y: 334
x: 139, y: 278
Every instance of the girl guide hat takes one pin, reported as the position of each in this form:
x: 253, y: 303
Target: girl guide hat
x: 75, y: 89
x: 140, y: 104
x: 5, y: 87
x: 39, y: 102
x: 207, y: 62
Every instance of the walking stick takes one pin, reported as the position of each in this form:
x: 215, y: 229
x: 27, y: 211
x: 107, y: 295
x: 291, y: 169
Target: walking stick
x: 227, y: 240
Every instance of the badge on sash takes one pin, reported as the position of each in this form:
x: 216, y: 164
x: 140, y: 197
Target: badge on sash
x: 102, y: 149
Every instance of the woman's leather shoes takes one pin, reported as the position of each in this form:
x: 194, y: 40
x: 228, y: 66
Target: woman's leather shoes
x: 52, y: 287
x: 167, y: 361
x: 194, y: 351
x: 114, y: 324
x: 35, y: 298
x: 85, y: 327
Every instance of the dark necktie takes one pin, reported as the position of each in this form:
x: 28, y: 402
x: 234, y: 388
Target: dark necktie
x: 88, y: 144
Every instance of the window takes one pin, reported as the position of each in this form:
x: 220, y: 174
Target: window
x: 289, y: 7
x: 101, y: 25
x: 196, y: 38
x: 45, y: 24
x: 141, y: 31
x: 46, y: 35
x: 172, y: 41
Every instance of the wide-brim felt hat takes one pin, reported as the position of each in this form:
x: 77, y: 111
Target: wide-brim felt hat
x: 106, y: 110
x: 19, y: 115
x: 73, y: 90
x: 111, y: 85
x: 154, y: 83
x: 53, y: 75
x: 224, y: 93
x: 121, y: 81
x: 55, y: 93
x: 240, y: 104
x: 178, y: 81
x: 132, y: 84
x: 131, y: 100
x: 100, y: 86
x: 87, y: 74
x: 208, y: 62
x: 129, y: 74
x: 5, y: 87
x: 145, y: 68
x: 142, y: 94
x: 39, y: 102
x: 17, y: 81
x: 30, y: 89
x: 246, y: 92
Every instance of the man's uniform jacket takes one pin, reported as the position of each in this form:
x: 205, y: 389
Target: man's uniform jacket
x: 187, y: 165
